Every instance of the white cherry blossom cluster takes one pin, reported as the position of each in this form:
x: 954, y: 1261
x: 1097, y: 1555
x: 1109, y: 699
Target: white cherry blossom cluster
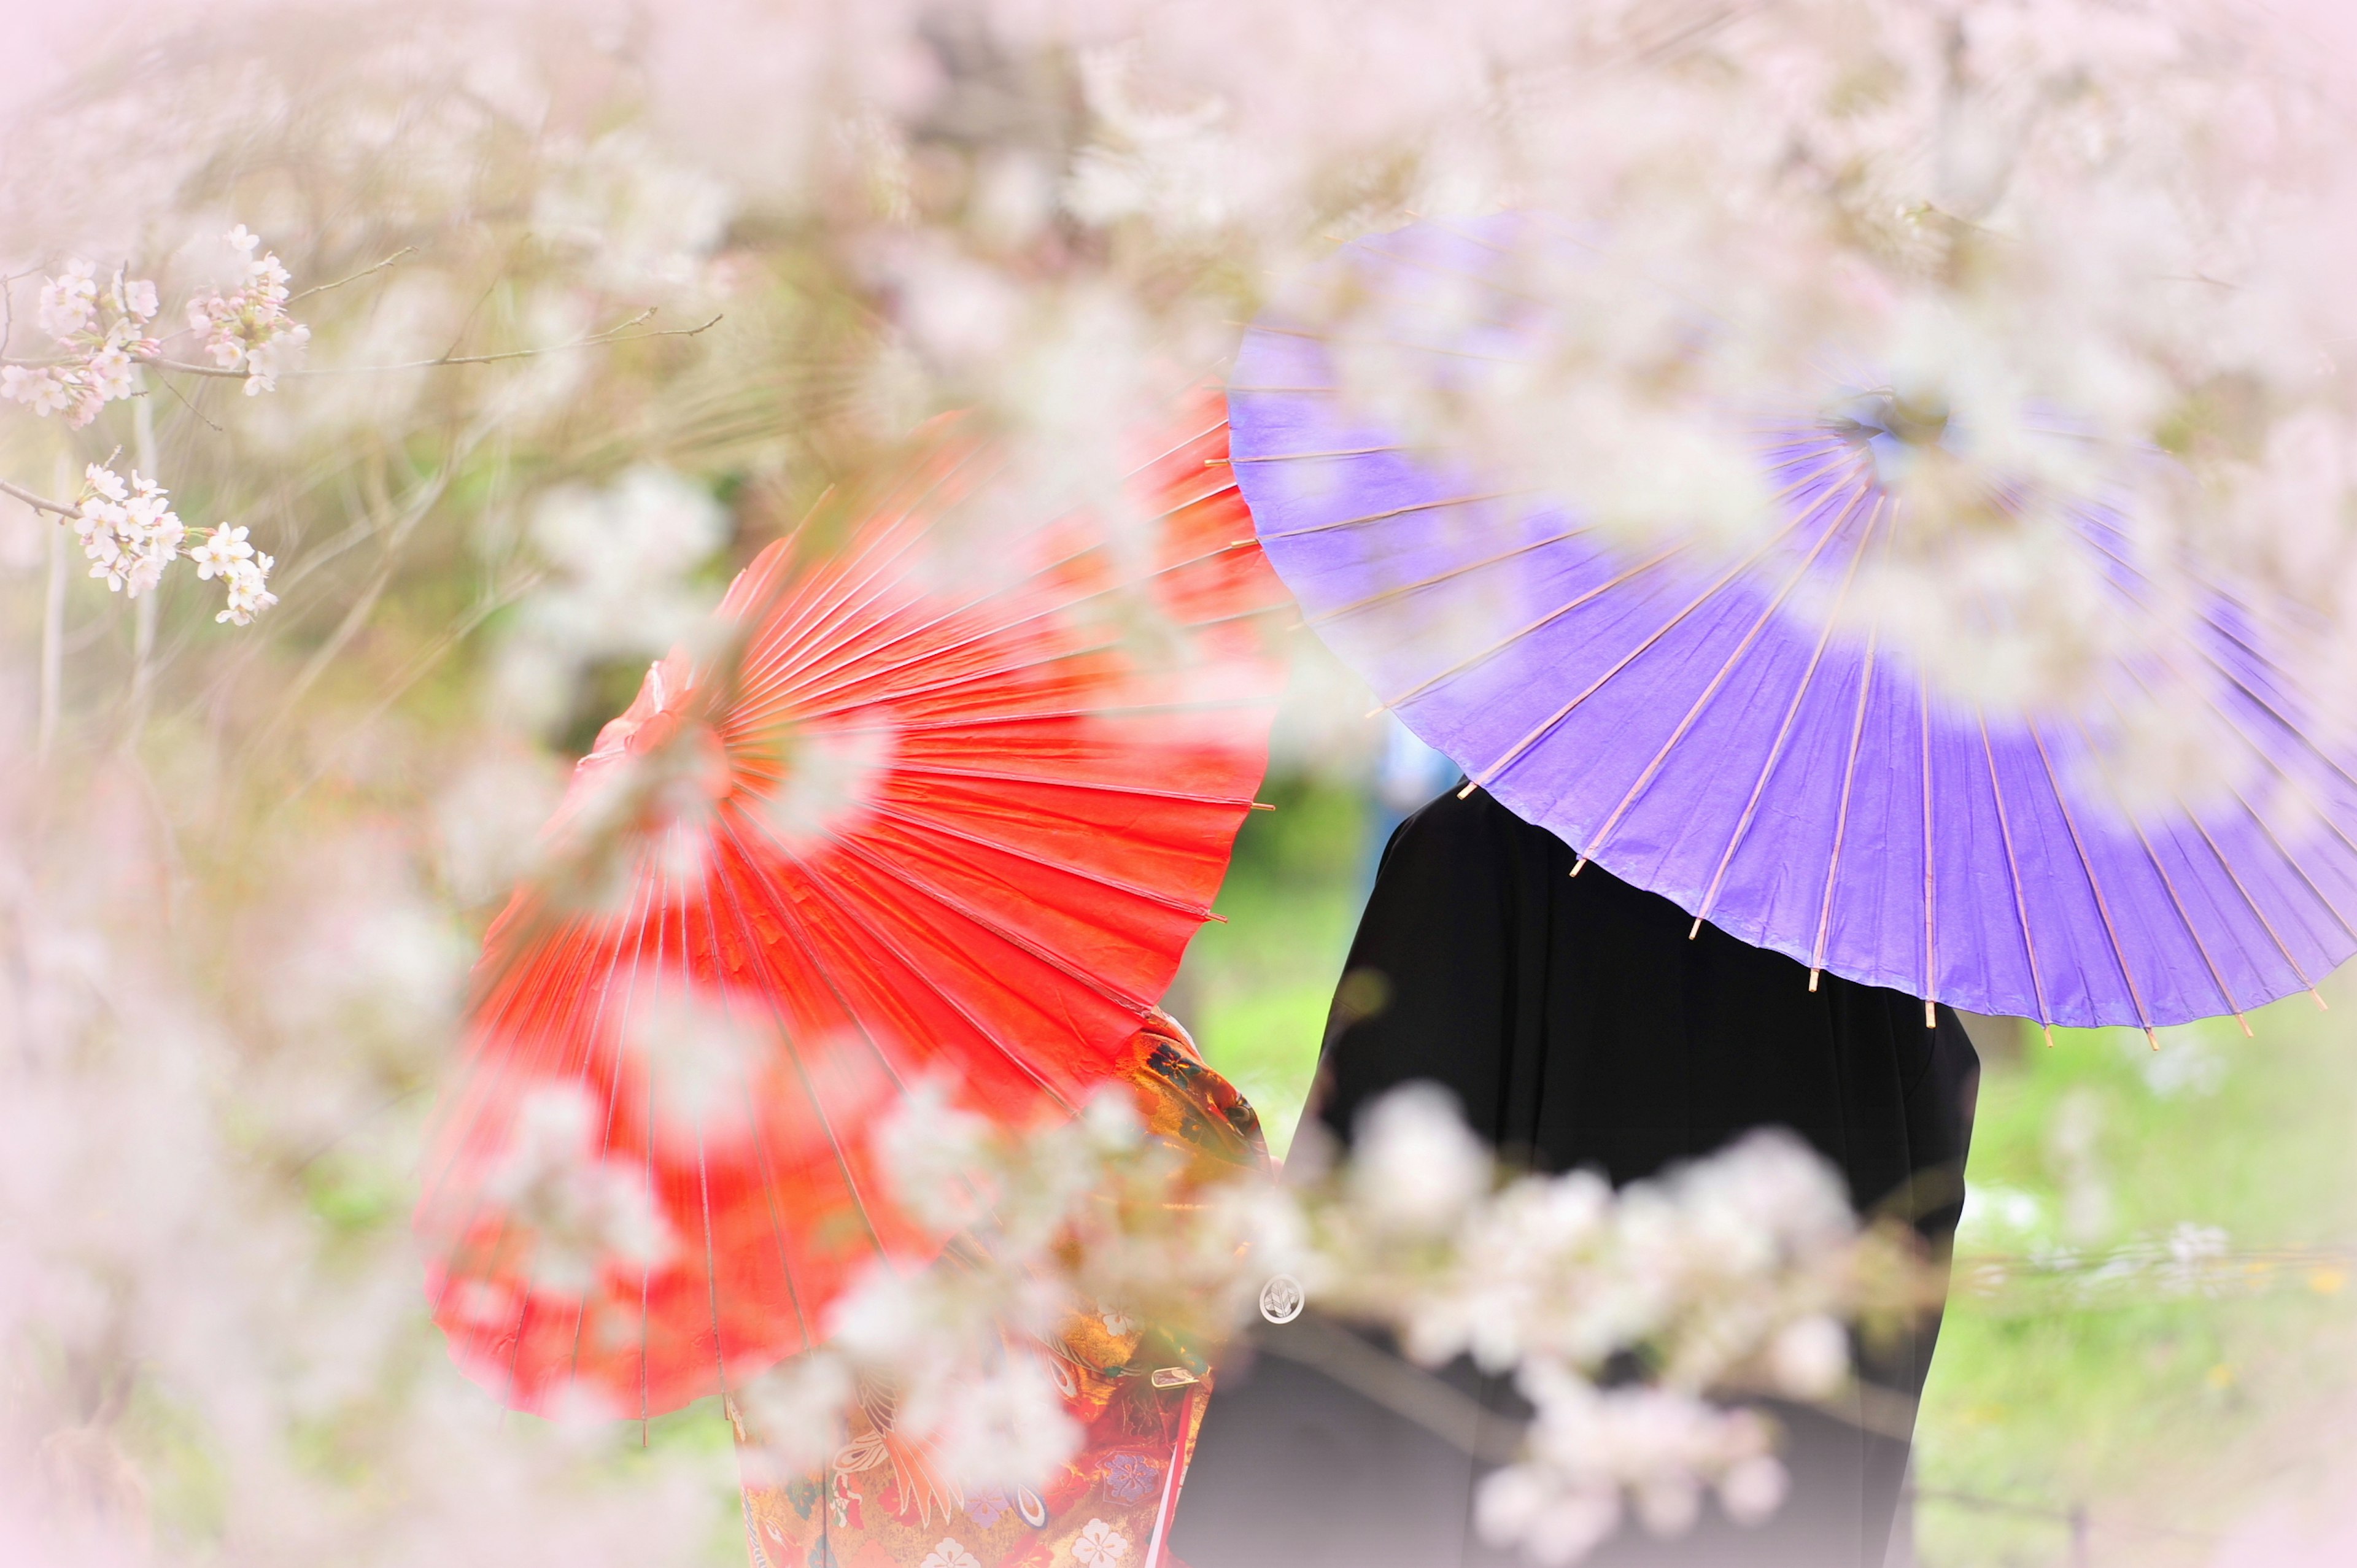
x: 102, y: 332
x: 1732, y: 1275
x: 249, y: 328
x: 1732, y: 1270
x: 1589, y: 1448
x: 130, y: 534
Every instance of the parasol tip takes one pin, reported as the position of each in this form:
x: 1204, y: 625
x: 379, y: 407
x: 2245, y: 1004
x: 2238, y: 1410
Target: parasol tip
x: 1930, y: 1015
x: 1468, y: 791
x: 2320, y: 1006
x: 1695, y: 929
x: 2153, y: 1039
x: 1813, y: 978
x: 2247, y: 1027
x: 1579, y: 865
x: 2049, y: 1033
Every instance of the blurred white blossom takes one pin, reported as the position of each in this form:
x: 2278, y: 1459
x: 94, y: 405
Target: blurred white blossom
x: 580, y: 1212
x: 1418, y: 1168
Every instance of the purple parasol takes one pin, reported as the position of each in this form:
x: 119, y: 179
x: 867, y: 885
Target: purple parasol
x: 1738, y: 730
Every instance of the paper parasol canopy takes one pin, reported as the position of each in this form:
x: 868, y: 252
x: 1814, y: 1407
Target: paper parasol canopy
x: 949, y: 805
x: 1746, y: 731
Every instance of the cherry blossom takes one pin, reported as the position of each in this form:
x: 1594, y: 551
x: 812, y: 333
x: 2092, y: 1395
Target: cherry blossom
x: 130, y: 534
x: 99, y: 332
x: 249, y: 328
x: 950, y: 1554
x: 582, y: 1213
x: 1100, y: 1545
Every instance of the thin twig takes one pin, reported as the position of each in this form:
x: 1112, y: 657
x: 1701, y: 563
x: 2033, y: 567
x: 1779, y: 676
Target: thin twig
x: 159, y: 362
x: 617, y: 335
x: 621, y: 334
x: 324, y: 287
x: 194, y: 411
x: 2075, y: 1517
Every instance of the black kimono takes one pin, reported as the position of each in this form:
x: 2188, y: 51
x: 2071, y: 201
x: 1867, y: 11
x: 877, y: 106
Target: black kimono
x: 1578, y: 1024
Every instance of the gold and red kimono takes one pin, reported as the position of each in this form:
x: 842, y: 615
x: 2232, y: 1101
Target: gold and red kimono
x: 1137, y: 1389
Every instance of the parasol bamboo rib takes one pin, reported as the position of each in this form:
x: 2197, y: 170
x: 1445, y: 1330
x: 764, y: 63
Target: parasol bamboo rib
x: 2168, y: 883
x: 849, y: 911
x: 1551, y: 616
x: 1784, y: 729
x: 1095, y: 878
x: 767, y: 1159
x: 1841, y: 818
x: 2297, y: 785
x: 2297, y: 736
x: 2013, y: 878
x: 1306, y: 456
x: 936, y: 769
x: 1443, y: 505
x: 2227, y: 867
x: 2095, y: 884
x: 1370, y: 600
x: 793, y: 636
x: 1930, y: 899
x: 1597, y: 840
x: 1014, y: 939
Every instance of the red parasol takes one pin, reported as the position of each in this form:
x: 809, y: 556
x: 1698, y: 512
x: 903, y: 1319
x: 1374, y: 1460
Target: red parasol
x: 952, y: 803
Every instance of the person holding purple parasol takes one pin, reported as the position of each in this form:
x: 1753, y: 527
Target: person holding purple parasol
x: 1734, y: 834
x: 1578, y: 1024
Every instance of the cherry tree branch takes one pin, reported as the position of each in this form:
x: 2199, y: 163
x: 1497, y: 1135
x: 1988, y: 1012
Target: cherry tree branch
x: 620, y: 334
x: 38, y: 502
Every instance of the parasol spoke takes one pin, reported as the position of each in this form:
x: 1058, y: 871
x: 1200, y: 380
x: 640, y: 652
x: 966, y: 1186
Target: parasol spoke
x: 1466, y: 568
x: 1785, y: 728
x: 1444, y: 504
x: 1930, y: 891
x: 2013, y: 880
x: 1014, y: 939
x: 1069, y: 868
x: 2168, y: 883
x: 1307, y: 456
x: 1046, y: 781
x: 1841, y: 817
x: 850, y: 911
x: 2095, y: 884
x: 1727, y: 667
